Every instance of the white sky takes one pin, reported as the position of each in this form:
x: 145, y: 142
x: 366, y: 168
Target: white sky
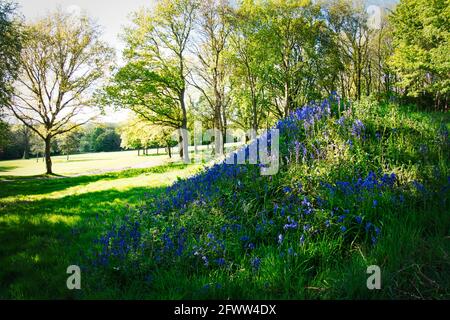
x: 111, y: 15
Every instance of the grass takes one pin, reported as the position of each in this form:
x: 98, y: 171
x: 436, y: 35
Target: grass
x: 211, y: 238
x: 45, y: 223
x: 92, y: 163
x: 155, y: 240
x: 82, y: 163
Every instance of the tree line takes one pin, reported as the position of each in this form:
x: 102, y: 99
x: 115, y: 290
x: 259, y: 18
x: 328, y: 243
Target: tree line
x: 227, y: 64
x: 22, y: 143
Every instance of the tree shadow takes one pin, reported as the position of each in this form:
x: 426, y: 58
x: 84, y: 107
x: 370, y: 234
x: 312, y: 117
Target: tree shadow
x: 40, y: 239
x: 43, y: 184
x: 7, y: 168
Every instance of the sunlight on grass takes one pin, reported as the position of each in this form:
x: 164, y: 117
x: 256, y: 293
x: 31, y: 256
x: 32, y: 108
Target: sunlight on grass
x: 82, y: 163
x: 123, y: 184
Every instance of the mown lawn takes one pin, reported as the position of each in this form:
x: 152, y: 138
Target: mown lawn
x: 46, y: 223
x: 83, y: 163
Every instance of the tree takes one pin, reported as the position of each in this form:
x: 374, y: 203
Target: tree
x: 291, y: 30
x: 422, y: 49
x: 62, y: 59
x: 4, y: 136
x: 250, y: 59
x: 153, y: 82
x: 214, y: 30
x: 37, y: 146
x: 69, y: 142
x: 10, y: 45
x: 139, y: 134
x: 136, y: 134
x: 163, y: 137
x: 348, y: 21
x: 107, y: 141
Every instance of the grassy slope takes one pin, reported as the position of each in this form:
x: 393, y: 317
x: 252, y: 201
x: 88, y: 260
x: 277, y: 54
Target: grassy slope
x: 412, y: 248
x: 46, y: 223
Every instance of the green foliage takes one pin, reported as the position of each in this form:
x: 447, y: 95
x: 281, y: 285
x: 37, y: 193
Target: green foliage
x: 69, y: 142
x: 11, y: 37
x: 99, y: 138
x: 107, y: 141
x: 422, y: 49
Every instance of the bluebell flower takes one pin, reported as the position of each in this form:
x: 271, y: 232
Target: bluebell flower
x: 341, y: 121
x: 357, y: 128
x: 302, y: 239
x: 287, y: 189
x: 220, y: 261
x: 350, y: 143
x: 245, y: 238
x: 374, y: 240
x: 280, y: 238
x: 255, y: 263
x: 377, y: 135
x: 291, y: 225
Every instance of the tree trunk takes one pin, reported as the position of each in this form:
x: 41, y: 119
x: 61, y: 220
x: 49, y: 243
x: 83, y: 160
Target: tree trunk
x: 183, y: 139
x: 139, y: 152
x: 67, y: 157
x: 169, y: 150
x: 48, y: 159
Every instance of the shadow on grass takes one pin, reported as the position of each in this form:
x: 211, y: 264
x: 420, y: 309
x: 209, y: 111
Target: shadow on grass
x: 7, y: 168
x: 43, y: 184
x: 40, y: 239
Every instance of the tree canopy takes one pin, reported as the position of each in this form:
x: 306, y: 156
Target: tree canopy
x: 61, y: 60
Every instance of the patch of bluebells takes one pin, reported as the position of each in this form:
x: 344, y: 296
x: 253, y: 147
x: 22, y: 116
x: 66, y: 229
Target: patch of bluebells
x: 255, y: 262
x: 295, y: 218
x: 358, y: 129
x: 119, y: 243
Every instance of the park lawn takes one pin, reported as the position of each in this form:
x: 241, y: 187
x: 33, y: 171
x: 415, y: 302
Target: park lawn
x: 46, y: 222
x: 83, y: 163
x: 96, y: 163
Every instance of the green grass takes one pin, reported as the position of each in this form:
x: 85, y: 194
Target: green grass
x: 82, y: 163
x: 412, y: 250
x: 49, y: 223
x: 46, y: 223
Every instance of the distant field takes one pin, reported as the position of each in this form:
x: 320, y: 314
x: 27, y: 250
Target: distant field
x: 81, y: 163
x: 91, y: 163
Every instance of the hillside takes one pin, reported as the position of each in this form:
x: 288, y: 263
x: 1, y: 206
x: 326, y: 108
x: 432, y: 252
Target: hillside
x: 359, y: 185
